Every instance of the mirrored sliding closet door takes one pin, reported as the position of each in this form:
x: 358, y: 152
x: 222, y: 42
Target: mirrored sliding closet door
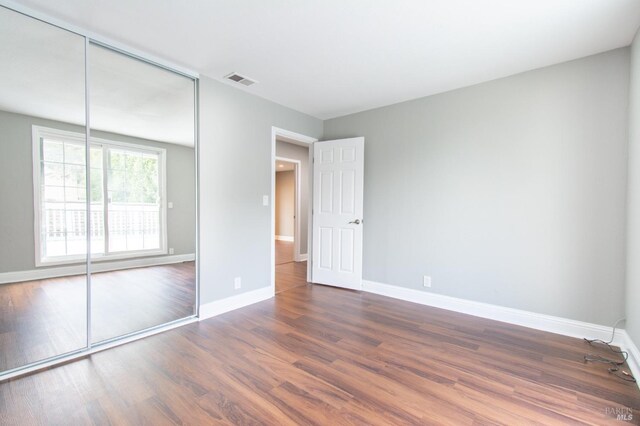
x: 98, y: 194
x: 43, y: 193
x: 143, y: 209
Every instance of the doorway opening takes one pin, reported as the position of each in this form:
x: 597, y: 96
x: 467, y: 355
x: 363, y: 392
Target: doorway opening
x: 287, y: 210
x: 290, y: 264
x: 291, y: 209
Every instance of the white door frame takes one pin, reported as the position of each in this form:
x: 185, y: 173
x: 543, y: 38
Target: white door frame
x: 302, y: 140
x: 296, y: 208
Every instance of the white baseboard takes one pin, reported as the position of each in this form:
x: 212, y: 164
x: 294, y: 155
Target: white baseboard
x: 241, y: 300
x: 634, y: 355
x: 284, y: 238
x: 302, y: 258
x: 64, y: 271
x: 558, y: 325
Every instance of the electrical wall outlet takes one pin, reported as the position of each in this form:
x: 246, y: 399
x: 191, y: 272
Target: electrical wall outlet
x: 171, y: 250
x: 426, y: 281
x: 237, y: 282
x: 169, y: 205
x: 265, y: 200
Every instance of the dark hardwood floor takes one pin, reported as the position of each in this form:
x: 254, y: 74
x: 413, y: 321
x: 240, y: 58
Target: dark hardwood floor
x: 284, y: 252
x: 44, y: 318
x: 135, y: 299
x: 289, y: 274
x: 321, y: 355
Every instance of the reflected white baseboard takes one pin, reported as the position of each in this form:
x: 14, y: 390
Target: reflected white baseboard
x: 284, y: 238
x: 64, y: 271
x: 302, y: 258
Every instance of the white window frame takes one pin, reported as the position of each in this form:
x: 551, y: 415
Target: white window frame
x: 40, y: 132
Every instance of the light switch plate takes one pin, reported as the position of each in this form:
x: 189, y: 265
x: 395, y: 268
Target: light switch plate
x: 265, y: 200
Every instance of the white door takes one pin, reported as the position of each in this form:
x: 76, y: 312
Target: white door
x: 338, y: 172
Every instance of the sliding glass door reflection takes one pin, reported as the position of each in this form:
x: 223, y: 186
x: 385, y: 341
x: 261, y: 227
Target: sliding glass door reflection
x: 143, y: 205
x: 43, y: 215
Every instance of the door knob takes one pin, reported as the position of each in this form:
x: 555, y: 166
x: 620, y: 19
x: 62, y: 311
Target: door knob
x: 357, y: 221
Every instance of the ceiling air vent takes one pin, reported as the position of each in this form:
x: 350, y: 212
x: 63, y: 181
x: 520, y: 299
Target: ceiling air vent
x: 237, y: 78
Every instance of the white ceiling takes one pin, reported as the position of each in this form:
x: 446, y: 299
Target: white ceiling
x: 140, y: 99
x: 333, y: 57
x: 42, y: 75
x: 284, y: 166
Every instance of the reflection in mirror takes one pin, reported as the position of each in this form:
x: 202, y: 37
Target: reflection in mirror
x: 143, y: 205
x: 43, y: 227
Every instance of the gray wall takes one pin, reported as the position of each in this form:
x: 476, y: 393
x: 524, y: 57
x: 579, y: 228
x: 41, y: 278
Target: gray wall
x: 235, y: 172
x: 301, y: 153
x: 285, y: 203
x: 633, y: 199
x: 510, y: 192
x: 16, y: 186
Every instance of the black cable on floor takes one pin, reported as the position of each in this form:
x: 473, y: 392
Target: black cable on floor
x: 615, y: 365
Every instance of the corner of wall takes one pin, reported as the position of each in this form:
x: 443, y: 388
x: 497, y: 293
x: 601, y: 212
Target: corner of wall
x: 632, y: 279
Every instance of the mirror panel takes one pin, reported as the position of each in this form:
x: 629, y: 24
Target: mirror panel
x: 143, y: 205
x: 43, y: 213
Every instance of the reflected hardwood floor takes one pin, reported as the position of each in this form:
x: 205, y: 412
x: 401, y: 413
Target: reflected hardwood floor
x: 44, y: 318
x: 289, y: 274
x: 321, y: 355
x: 284, y: 252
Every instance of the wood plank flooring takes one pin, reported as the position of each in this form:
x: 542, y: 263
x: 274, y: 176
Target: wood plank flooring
x: 289, y: 274
x: 44, y: 318
x: 321, y: 355
x: 284, y: 252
